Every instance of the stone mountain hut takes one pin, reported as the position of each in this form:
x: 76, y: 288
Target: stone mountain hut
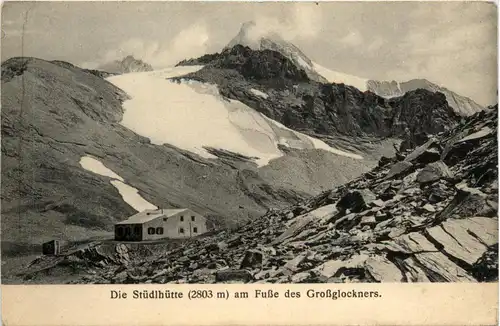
x: 160, y: 224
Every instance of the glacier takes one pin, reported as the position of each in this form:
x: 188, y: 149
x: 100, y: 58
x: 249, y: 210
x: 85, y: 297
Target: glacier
x: 193, y: 116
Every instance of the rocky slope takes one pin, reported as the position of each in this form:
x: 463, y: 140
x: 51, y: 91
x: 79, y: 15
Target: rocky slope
x: 126, y: 65
x: 427, y: 215
x: 54, y: 113
x: 272, y: 84
x: 463, y: 106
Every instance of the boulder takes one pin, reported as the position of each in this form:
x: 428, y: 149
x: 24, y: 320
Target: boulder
x: 234, y: 241
x: 212, y: 247
x: 467, y: 202
x: 301, y: 277
x: 423, y: 153
x: 252, y: 259
x: 368, y: 220
x: 356, y: 200
x: 233, y: 275
x: 485, y: 269
x: 428, y: 208
x: 384, y: 161
x: 398, y: 169
x: 433, y: 172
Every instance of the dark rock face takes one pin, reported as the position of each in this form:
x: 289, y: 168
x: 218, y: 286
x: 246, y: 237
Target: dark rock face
x: 356, y: 200
x: 440, y: 231
x: 486, y: 268
x: 14, y: 67
x: 126, y: 65
x: 304, y: 104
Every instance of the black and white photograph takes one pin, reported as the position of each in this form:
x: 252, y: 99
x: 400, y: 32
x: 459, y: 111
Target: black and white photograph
x: 248, y: 142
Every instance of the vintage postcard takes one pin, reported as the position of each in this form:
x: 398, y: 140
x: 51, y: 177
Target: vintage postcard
x: 255, y: 162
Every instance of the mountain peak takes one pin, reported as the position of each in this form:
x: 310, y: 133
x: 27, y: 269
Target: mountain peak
x: 126, y: 65
x: 258, y: 37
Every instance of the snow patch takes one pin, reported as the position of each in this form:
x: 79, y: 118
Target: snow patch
x: 129, y: 194
x: 192, y: 116
x: 338, y: 77
x: 259, y: 93
x: 96, y: 166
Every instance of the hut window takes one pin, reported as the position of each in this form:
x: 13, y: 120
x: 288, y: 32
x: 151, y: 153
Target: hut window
x: 181, y: 230
x: 159, y: 230
x: 119, y: 231
x: 151, y: 230
x: 128, y: 230
x: 195, y: 229
x: 137, y: 229
x: 182, y: 218
x: 164, y: 219
x: 192, y: 218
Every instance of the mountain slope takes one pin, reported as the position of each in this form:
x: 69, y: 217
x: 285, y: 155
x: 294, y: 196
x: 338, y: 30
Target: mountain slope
x: 70, y: 168
x: 429, y: 215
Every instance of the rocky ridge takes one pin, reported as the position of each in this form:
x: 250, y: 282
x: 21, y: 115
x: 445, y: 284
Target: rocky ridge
x: 272, y: 84
x: 463, y: 106
x: 429, y: 214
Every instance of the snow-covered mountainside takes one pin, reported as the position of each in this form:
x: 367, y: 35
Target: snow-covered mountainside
x: 256, y: 38
x: 388, y: 89
x: 193, y: 116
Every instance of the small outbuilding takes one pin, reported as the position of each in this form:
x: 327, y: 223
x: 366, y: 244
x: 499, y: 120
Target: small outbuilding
x: 161, y: 223
x: 52, y: 247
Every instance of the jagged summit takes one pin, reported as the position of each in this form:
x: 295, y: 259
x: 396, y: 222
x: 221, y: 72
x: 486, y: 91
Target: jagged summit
x: 258, y: 37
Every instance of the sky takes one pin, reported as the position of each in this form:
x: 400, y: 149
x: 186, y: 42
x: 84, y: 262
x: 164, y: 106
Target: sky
x: 453, y: 44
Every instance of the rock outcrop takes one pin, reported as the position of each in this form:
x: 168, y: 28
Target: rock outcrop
x: 126, y: 65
